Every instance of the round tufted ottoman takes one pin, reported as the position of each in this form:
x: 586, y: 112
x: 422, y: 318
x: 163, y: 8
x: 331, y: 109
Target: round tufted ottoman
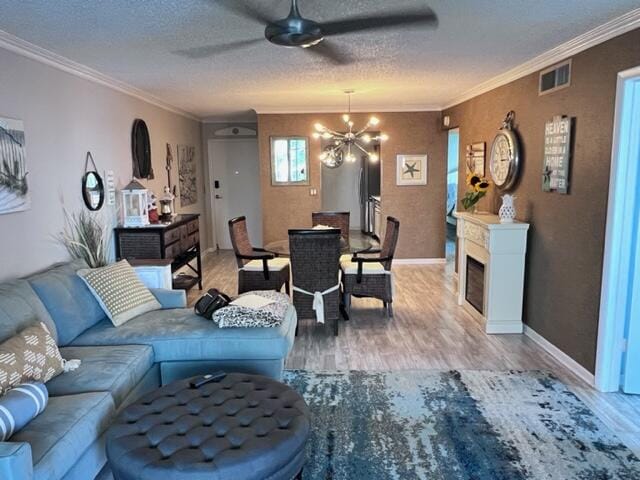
x: 242, y: 427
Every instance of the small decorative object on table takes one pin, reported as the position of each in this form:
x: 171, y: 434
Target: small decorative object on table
x: 135, y: 203
x: 478, y: 187
x: 166, y: 205
x: 507, y: 211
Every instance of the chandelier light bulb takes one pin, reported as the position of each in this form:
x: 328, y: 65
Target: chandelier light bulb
x: 327, y: 135
x: 319, y: 127
x: 323, y: 156
x: 384, y: 137
x: 316, y: 135
x: 345, y: 117
x: 366, y: 138
x: 373, y: 121
x: 350, y: 124
x: 351, y: 158
x: 373, y: 157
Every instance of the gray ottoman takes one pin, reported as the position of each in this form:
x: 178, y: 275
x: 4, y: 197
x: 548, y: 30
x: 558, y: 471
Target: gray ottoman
x: 243, y: 427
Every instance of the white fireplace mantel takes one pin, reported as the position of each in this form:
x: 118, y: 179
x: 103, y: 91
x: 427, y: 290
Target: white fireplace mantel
x: 500, y: 248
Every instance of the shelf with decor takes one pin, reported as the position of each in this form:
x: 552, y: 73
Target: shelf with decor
x: 177, y: 240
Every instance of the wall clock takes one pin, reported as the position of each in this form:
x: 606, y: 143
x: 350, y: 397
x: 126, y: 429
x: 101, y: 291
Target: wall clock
x: 505, y: 158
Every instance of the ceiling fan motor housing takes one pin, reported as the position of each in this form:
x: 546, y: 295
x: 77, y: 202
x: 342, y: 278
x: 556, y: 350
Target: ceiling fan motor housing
x: 294, y: 32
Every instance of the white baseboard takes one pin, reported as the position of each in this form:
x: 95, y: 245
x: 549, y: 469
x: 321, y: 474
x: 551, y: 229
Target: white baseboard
x: 419, y: 261
x: 564, y: 359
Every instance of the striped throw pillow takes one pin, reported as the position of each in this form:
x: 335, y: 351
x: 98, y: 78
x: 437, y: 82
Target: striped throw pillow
x: 119, y: 291
x: 19, y: 406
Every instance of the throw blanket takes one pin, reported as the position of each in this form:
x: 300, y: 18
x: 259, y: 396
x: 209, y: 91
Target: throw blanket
x: 271, y: 312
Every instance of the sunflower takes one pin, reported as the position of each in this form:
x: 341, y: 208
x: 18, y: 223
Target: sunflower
x: 482, y: 186
x: 473, y: 179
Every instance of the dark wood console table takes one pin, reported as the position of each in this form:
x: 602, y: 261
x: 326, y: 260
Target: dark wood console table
x: 178, y: 240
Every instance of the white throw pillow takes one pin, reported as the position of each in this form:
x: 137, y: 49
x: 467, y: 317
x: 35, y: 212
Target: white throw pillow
x: 119, y: 291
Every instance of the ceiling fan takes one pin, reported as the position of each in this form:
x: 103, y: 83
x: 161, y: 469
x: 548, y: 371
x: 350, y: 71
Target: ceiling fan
x: 297, y: 31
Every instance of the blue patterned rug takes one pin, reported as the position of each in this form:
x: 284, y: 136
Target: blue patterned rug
x: 455, y: 425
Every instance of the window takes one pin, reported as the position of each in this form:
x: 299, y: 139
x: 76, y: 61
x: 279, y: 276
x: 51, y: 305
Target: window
x: 289, y: 161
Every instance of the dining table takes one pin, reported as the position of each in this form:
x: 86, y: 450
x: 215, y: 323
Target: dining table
x: 353, y: 245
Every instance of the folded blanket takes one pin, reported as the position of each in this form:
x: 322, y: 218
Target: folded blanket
x: 262, y: 308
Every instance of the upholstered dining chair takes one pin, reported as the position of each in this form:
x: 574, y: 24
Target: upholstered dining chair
x: 258, y: 269
x: 371, y: 276
x: 339, y: 220
x: 315, y: 267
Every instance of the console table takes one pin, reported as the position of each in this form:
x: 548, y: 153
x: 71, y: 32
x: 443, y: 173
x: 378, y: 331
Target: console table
x: 178, y: 240
x: 491, y: 259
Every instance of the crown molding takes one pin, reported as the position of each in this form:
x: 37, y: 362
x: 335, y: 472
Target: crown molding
x: 29, y: 50
x: 341, y: 109
x: 613, y: 28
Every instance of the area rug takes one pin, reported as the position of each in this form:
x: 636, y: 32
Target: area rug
x: 455, y: 425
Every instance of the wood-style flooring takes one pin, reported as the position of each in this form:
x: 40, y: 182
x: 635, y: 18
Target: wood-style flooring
x: 429, y: 331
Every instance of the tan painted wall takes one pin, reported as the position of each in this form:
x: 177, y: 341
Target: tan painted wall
x: 64, y: 117
x: 420, y: 209
x: 566, y: 240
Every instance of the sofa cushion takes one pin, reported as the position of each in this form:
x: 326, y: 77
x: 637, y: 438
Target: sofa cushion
x: 31, y: 355
x: 275, y: 265
x: 68, y: 300
x: 114, y: 369
x: 119, y: 291
x: 20, y: 308
x: 179, y: 334
x: 68, y: 426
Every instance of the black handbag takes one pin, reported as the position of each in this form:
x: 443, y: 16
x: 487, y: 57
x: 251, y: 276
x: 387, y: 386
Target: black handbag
x: 210, y: 302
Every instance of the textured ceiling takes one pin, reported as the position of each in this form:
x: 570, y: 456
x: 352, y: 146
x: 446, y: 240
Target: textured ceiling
x: 135, y: 41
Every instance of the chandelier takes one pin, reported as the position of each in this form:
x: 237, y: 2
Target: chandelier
x: 342, y: 146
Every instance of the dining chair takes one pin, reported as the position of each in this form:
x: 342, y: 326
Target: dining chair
x: 371, y: 277
x: 315, y: 267
x: 339, y: 220
x: 258, y: 269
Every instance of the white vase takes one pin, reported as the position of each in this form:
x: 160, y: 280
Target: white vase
x: 507, y: 211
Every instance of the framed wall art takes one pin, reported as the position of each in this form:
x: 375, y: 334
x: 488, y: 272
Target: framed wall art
x: 475, y: 158
x: 14, y: 189
x: 411, y: 170
x: 557, y: 155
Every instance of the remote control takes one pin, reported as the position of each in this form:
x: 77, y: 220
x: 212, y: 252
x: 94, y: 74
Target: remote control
x: 212, y: 377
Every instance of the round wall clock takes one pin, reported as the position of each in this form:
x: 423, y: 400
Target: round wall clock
x: 504, y: 159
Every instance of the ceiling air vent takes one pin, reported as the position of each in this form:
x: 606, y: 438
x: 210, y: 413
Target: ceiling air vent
x: 555, y: 78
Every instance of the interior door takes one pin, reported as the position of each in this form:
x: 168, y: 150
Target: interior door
x: 235, y: 174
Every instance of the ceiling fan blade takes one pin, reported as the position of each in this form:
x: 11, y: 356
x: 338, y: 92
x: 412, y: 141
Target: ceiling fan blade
x: 329, y: 52
x: 212, y: 50
x: 421, y: 16
x: 247, y: 10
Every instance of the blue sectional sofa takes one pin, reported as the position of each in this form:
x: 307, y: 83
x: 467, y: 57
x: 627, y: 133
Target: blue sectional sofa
x: 118, y: 365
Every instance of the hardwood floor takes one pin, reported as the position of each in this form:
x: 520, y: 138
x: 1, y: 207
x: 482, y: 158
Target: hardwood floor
x: 429, y: 331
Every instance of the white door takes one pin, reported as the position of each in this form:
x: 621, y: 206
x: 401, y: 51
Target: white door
x: 618, y: 356
x: 235, y: 177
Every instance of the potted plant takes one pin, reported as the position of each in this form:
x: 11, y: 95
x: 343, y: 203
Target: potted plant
x: 477, y: 187
x: 86, y: 238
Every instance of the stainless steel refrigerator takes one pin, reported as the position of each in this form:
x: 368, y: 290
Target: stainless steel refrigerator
x: 369, y: 186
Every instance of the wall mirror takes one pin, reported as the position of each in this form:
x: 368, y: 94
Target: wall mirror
x: 141, y: 150
x: 289, y: 161
x: 92, y: 186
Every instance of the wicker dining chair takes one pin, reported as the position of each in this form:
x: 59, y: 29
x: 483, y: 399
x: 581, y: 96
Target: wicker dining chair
x: 371, y: 276
x: 339, y: 220
x: 315, y: 265
x: 258, y: 269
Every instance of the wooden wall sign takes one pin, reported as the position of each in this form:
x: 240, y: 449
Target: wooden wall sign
x: 557, y: 154
x: 475, y: 158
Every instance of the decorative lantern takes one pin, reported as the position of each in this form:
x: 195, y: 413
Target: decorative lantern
x: 135, y: 202
x: 166, y: 205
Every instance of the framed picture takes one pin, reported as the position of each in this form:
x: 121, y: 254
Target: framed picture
x: 14, y: 189
x: 187, y: 175
x: 475, y: 158
x: 557, y: 154
x: 411, y: 170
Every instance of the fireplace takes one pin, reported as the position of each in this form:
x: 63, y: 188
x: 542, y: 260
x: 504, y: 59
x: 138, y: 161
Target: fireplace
x: 491, y: 270
x: 474, y: 293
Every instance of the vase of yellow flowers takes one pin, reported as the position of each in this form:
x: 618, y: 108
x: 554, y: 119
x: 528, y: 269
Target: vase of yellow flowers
x: 477, y: 187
